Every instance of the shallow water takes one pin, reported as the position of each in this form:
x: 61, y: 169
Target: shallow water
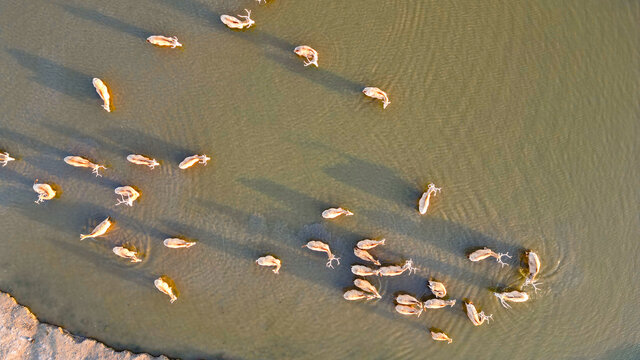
x: 525, y: 113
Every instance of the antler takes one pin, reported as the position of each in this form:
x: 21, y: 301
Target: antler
x: 409, y: 266
x: 128, y: 201
x: 533, y: 283
x: 484, y: 317
x: 331, y: 258
x: 248, y: 16
x: 204, y: 159
x: 499, y: 258
x: 96, y: 168
x: 501, y: 298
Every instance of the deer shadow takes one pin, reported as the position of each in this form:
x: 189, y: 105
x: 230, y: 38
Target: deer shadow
x: 55, y: 76
x: 92, y: 141
x: 197, y: 10
x: 320, y: 76
x: 290, y: 62
x: 105, y: 20
x: 446, y: 235
x: 374, y: 179
x: 13, y: 196
x: 626, y: 351
x: 72, y: 220
x: 134, y: 141
x: 300, y: 205
x: 64, y: 171
x: 31, y: 142
x: 13, y: 176
x: 111, y: 264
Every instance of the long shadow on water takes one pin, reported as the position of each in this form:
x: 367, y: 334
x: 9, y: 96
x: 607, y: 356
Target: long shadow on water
x: 111, y: 264
x: 374, y: 179
x: 320, y: 76
x: 301, y: 205
x: 137, y: 142
x: 109, y: 21
x: 51, y: 161
x: 124, y: 141
x: 32, y: 142
x: 74, y: 218
x: 55, y: 76
x: 80, y: 137
x: 196, y: 9
x: 10, y: 175
x: 65, y: 171
x: 199, y: 10
x: 446, y: 235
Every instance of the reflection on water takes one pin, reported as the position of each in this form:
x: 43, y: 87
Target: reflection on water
x: 517, y: 111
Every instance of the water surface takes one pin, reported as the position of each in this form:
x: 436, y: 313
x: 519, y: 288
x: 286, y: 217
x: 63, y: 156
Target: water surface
x: 525, y: 113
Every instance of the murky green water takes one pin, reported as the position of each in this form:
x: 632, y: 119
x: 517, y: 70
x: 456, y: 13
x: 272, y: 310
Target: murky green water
x: 524, y: 112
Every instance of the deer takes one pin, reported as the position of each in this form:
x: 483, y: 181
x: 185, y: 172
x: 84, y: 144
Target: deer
x: 307, y: 52
x: 423, y: 204
x: 163, y: 41
x: 366, y: 286
x: 44, y: 191
x: 397, y: 270
x: 533, y: 261
x: 440, y: 336
x: 374, y: 92
x: 482, y: 254
x: 333, y: 213
x: 126, y: 253
x: 409, y: 300
x: 103, y: 91
x: 437, y: 288
x: 409, y: 310
x: 362, y: 270
x: 142, y: 160
x: 233, y: 22
x: 438, y: 303
x: 513, y: 296
x: 176, y: 243
x: 78, y: 161
x: 127, y: 195
x: 192, y: 160
x: 316, y: 245
x: 164, y: 287
x: 368, y: 244
x: 99, y: 230
x: 5, y: 158
x: 476, y: 318
x: 364, y: 255
x: 270, y: 261
x: 357, y: 295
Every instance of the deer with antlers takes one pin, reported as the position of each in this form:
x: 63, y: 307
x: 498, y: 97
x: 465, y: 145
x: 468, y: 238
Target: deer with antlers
x: 233, y: 22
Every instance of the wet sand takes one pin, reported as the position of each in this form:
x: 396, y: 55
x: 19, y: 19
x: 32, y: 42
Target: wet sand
x: 22, y: 336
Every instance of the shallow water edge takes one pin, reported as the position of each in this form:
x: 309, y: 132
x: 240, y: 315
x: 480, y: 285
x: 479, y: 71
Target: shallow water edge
x: 23, y: 336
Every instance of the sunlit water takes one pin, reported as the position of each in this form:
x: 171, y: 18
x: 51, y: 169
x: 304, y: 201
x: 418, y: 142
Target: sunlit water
x: 524, y: 112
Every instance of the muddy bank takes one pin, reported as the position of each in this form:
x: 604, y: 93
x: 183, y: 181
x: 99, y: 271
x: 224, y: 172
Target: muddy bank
x: 22, y: 336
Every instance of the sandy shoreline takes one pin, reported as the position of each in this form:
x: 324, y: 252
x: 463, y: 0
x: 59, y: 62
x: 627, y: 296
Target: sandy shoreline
x: 22, y: 336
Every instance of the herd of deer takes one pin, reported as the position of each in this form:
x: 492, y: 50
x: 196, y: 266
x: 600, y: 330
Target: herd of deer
x: 406, y: 304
